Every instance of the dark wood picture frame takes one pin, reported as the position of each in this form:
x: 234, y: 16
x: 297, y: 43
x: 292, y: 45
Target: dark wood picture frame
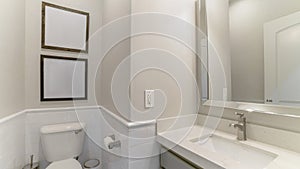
x: 45, y: 46
x: 42, y: 80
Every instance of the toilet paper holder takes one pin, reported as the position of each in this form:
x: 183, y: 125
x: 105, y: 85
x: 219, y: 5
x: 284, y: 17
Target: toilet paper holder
x: 115, y: 143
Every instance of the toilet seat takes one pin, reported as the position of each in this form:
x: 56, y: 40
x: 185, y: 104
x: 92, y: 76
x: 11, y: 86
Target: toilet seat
x: 65, y: 164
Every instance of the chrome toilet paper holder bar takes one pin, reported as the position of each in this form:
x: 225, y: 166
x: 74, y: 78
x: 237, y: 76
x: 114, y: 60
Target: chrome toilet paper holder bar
x: 115, y: 143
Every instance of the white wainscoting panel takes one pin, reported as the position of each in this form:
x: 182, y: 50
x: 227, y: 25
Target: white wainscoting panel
x: 12, y: 146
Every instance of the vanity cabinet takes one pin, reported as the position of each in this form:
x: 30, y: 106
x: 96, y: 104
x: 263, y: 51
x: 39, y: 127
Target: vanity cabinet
x: 170, y: 160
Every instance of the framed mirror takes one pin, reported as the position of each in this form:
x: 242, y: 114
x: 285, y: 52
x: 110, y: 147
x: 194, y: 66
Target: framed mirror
x: 64, y: 28
x: 63, y: 79
x: 264, y: 43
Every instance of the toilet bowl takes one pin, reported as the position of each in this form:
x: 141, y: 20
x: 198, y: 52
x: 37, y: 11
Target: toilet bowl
x: 65, y: 164
x: 62, y: 143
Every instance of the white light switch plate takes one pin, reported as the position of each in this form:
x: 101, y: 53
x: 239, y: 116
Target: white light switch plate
x: 149, y: 98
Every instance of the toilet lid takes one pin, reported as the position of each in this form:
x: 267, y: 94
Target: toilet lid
x: 65, y: 164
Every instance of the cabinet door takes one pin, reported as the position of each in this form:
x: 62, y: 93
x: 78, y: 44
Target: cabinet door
x: 171, y: 161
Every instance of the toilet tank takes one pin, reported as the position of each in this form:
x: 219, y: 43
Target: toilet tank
x: 62, y: 141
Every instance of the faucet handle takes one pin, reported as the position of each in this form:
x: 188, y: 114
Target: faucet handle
x: 240, y: 114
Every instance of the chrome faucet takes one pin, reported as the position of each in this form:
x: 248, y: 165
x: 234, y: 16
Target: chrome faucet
x: 241, y: 126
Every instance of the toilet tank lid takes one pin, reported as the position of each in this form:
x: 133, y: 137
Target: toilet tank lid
x: 59, y: 128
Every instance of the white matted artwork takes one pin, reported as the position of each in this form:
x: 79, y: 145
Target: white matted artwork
x: 63, y: 78
x: 64, y: 28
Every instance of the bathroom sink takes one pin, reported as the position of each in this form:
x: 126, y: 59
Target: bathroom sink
x: 245, y: 156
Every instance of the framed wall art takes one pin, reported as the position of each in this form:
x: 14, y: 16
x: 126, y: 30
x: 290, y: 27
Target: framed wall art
x: 63, y: 79
x: 64, y: 28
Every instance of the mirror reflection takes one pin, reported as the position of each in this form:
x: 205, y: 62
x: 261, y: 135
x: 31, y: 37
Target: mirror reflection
x: 265, y: 51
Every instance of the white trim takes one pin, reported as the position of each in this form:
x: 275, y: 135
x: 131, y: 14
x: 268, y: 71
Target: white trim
x: 127, y: 123
x: 124, y: 122
x: 61, y: 108
x: 10, y: 117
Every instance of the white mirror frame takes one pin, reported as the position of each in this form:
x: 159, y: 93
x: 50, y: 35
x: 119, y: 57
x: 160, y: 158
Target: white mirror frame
x: 279, y: 110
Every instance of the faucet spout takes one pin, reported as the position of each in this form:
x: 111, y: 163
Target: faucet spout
x: 241, y: 126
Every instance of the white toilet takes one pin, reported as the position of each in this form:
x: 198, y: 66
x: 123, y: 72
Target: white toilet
x: 61, y: 144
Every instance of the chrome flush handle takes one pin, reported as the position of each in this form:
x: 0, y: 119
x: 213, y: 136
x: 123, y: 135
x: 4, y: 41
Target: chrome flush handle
x: 240, y: 114
x: 78, y: 131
